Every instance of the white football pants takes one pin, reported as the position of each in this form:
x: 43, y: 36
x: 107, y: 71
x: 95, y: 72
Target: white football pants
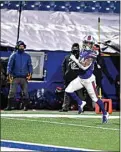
x: 89, y: 84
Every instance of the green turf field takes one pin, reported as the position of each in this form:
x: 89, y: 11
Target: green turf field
x: 80, y: 132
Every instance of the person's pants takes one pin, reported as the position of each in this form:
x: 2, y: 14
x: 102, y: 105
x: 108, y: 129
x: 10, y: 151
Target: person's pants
x: 66, y: 102
x: 89, y: 84
x: 13, y: 87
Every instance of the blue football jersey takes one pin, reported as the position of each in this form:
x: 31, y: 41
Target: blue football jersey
x: 86, y: 54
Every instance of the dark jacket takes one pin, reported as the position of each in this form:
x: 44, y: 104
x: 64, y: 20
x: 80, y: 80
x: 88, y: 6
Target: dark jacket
x: 70, y: 69
x: 19, y: 64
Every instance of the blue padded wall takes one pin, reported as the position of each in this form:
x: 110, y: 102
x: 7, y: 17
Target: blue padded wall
x: 54, y: 73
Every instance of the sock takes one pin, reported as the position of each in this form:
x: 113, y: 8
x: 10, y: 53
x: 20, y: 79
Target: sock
x: 101, y: 105
x: 75, y: 97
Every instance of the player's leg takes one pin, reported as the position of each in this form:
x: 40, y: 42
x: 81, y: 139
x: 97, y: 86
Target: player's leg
x: 24, y: 87
x: 80, y: 94
x: 66, y: 101
x: 70, y: 90
x: 12, y: 92
x: 90, y: 86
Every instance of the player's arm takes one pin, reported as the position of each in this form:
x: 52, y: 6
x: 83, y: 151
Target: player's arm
x: 30, y: 68
x: 10, y: 64
x: 84, y: 65
x: 10, y: 67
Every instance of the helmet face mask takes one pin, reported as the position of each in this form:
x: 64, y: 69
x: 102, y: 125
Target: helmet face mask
x: 88, y: 45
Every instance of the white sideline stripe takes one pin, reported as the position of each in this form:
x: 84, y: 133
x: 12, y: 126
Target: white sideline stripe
x: 12, y: 149
x: 45, y: 145
x: 68, y: 124
x: 55, y: 116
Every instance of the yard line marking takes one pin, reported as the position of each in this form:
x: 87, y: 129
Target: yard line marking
x: 68, y: 124
x: 56, y: 116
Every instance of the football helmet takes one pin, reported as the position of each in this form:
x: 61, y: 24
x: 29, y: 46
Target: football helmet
x: 88, y: 42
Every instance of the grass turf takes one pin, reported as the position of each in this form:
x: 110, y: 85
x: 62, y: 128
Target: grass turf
x: 63, y: 131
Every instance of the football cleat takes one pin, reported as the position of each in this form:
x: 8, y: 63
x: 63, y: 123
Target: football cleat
x: 105, y: 118
x: 80, y: 107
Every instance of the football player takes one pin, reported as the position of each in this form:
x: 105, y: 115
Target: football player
x: 86, y: 79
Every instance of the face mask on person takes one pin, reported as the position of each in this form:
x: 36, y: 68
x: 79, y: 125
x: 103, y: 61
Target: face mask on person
x: 75, y: 52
